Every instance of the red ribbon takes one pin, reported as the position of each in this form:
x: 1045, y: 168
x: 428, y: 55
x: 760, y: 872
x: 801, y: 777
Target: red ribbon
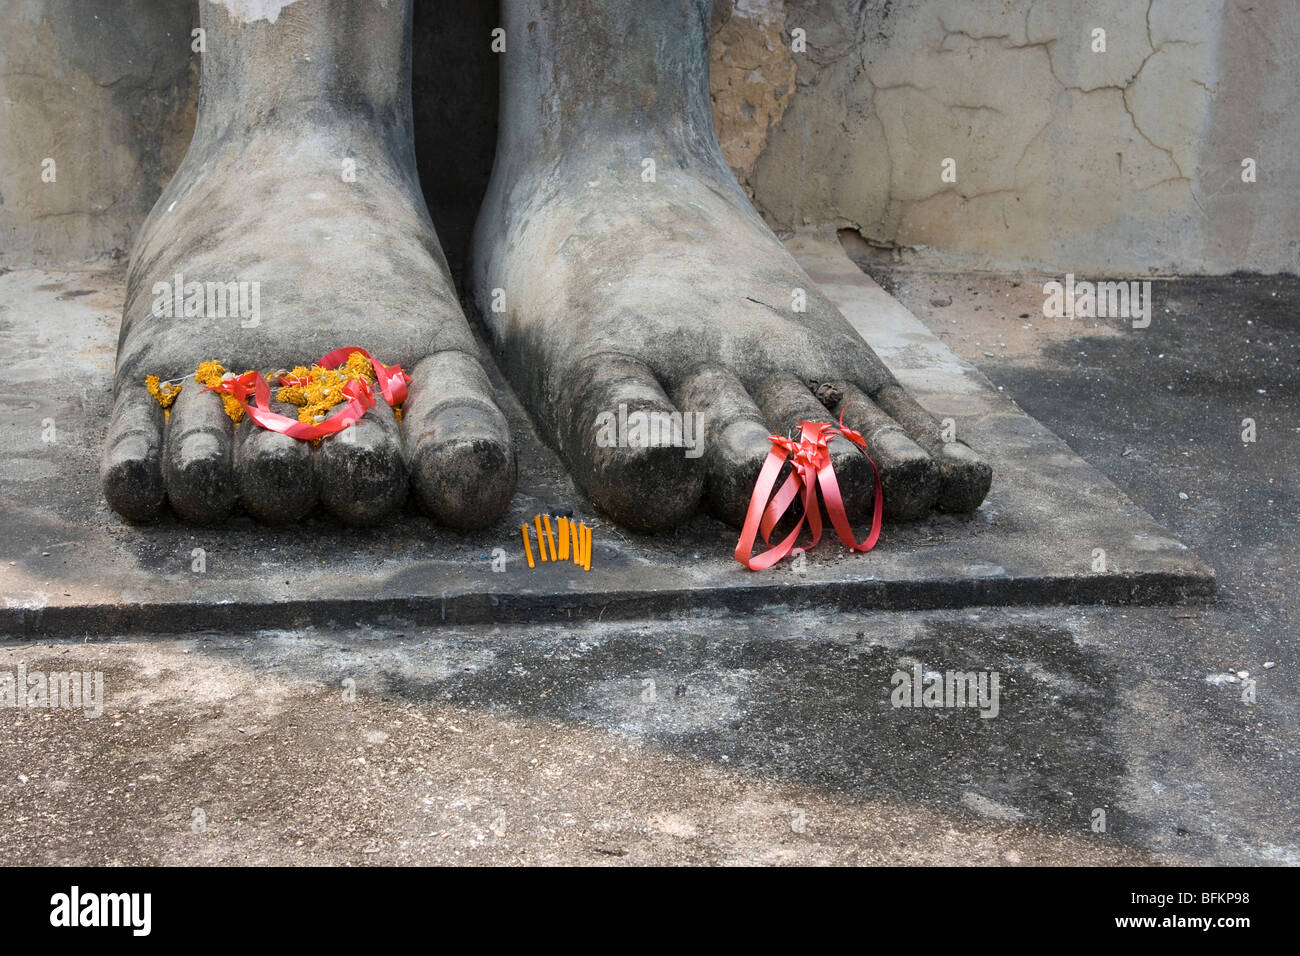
x: 811, y: 469
x: 358, y: 393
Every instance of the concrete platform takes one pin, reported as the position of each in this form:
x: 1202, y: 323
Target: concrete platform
x: 68, y: 566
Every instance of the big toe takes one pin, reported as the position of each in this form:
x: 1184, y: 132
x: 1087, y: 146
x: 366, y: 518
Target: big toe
x: 462, y: 458
x: 624, y: 441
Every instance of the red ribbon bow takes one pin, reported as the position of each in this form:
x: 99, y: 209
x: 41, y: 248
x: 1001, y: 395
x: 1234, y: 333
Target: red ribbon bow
x: 811, y: 468
x: 360, y: 396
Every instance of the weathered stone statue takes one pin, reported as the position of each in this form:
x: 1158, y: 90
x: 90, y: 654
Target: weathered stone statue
x: 616, y: 262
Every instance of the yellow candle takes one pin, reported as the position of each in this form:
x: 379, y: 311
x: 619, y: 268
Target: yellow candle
x: 563, y: 534
x: 541, y: 544
x: 528, y: 548
x: 549, y: 540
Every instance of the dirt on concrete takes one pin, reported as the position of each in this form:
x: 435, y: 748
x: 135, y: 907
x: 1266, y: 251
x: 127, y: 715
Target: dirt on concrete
x: 251, y: 750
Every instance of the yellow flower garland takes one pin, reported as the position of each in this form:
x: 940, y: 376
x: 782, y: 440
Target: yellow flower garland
x: 210, y: 374
x: 323, y: 387
x: 164, y: 392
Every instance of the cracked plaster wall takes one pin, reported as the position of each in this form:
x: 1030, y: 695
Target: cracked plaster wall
x: 1119, y: 162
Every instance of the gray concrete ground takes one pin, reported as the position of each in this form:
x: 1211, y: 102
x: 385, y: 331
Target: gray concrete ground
x: 767, y: 736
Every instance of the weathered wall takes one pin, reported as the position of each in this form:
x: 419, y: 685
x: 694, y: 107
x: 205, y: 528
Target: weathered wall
x: 107, y: 90
x: 1123, y: 161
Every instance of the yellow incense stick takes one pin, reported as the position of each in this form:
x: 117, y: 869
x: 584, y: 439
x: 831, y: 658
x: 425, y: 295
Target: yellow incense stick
x: 541, y: 542
x: 549, y: 540
x: 563, y: 534
x: 528, y: 548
